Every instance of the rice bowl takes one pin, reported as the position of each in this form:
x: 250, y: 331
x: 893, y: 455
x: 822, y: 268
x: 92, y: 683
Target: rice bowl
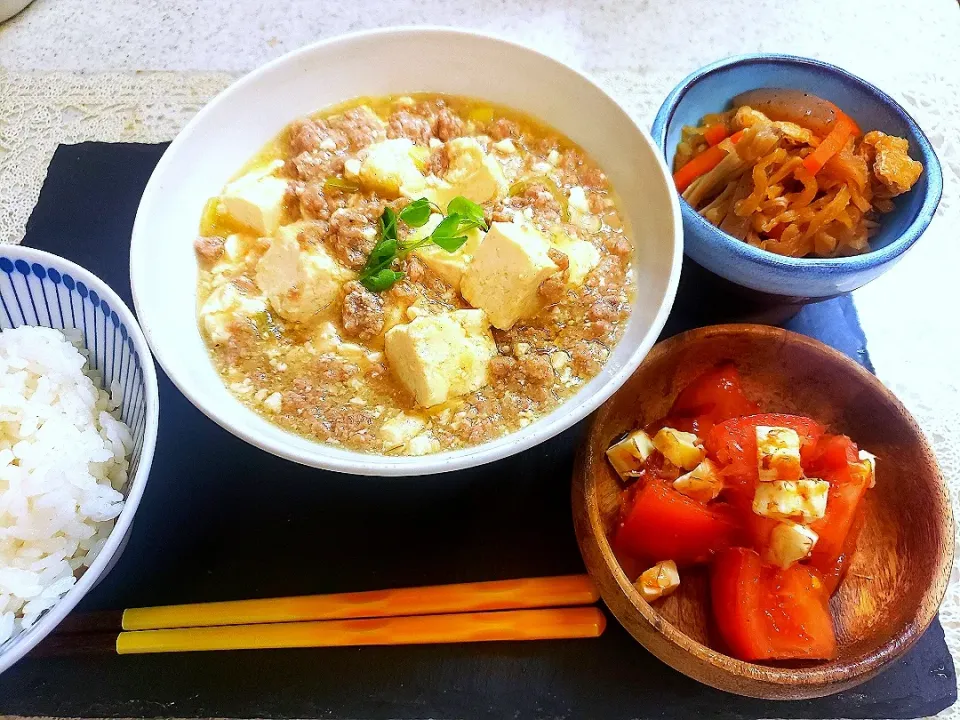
x: 63, y: 461
x: 41, y: 291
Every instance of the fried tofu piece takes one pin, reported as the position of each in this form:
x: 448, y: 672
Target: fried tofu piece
x: 891, y: 163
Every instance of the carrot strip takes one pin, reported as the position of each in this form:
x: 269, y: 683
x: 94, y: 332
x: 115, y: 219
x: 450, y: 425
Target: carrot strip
x: 702, y: 164
x: 714, y: 134
x: 853, y: 123
x: 831, y: 145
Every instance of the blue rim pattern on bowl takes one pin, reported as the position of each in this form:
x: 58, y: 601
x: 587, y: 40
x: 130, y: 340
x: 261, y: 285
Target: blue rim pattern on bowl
x: 36, y: 295
x: 824, y: 266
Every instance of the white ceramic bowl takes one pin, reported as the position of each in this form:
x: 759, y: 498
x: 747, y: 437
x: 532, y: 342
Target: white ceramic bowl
x: 228, y: 131
x: 40, y: 289
x: 9, y: 8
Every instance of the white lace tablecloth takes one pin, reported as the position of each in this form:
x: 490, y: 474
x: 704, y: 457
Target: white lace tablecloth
x: 56, y: 86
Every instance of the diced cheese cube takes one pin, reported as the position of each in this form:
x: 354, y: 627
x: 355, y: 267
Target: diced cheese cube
x: 437, y: 357
x: 583, y: 256
x: 790, y: 543
x: 255, y: 201
x: 225, y: 305
x: 505, y: 274
x: 396, y: 431
x: 703, y: 483
x: 870, y: 462
x: 471, y: 173
x: 659, y: 581
x: 802, y: 500
x: 628, y: 455
x: 778, y: 454
x: 298, y: 283
x: 450, y: 266
x: 390, y: 169
x: 683, y: 449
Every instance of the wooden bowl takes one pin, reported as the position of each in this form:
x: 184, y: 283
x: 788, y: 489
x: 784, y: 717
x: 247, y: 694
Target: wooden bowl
x: 899, y: 573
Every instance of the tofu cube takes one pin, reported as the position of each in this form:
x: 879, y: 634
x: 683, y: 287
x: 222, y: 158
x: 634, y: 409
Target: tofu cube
x: 790, y: 543
x: 659, y: 581
x: 801, y: 500
x: 273, y: 402
x: 778, y: 454
x: 448, y: 266
x: 869, y: 461
x: 351, y: 169
x: 583, y: 256
x: 255, y: 201
x: 703, y: 483
x: 225, y: 305
x: 423, y: 444
x: 628, y: 455
x: 683, y: 449
x: 390, y: 169
x: 580, y: 213
x: 399, y: 429
x: 234, y: 247
x: 471, y: 173
x: 299, y: 283
x: 437, y: 357
x: 577, y: 200
x: 505, y: 274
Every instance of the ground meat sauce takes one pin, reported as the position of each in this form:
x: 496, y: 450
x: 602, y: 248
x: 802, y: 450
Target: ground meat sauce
x: 325, y: 374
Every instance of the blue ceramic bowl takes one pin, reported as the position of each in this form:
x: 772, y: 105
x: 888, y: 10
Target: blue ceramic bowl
x: 798, y: 280
x: 43, y: 290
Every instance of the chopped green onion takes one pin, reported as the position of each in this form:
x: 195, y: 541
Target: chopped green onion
x: 341, y: 184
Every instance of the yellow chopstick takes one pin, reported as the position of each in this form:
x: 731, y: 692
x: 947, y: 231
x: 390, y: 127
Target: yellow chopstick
x: 549, y: 624
x: 526, y: 593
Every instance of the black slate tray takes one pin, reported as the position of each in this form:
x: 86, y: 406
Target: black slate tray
x: 221, y: 520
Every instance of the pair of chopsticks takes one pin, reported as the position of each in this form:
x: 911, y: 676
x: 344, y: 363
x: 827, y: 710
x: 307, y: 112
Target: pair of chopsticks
x: 547, y: 608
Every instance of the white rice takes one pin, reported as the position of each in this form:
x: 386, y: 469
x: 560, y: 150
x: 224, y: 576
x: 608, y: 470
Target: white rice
x: 63, y: 461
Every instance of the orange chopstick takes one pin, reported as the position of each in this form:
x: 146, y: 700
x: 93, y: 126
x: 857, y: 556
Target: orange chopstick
x: 465, y: 597
x: 549, y: 624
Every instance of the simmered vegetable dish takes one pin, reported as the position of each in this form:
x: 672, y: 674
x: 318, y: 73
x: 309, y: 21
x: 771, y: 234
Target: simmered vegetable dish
x: 791, y: 173
x: 413, y: 274
x: 770, y: 503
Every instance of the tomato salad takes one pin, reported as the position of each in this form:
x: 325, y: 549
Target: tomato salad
x: 769, y: 502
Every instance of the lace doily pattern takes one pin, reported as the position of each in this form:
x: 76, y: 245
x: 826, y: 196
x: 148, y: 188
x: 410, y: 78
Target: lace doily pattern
x: 39, y: 111
x: 906, y: 314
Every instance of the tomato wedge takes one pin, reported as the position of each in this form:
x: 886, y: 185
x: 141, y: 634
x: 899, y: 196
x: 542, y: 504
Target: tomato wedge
x: 830, y: 454
x: 836, y: 460
x: 716, y: 395
x: 798, y: 619
x: 733, y: 442
x: 662, y: 524
x: 767, y: 614
x: 735, y: 594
